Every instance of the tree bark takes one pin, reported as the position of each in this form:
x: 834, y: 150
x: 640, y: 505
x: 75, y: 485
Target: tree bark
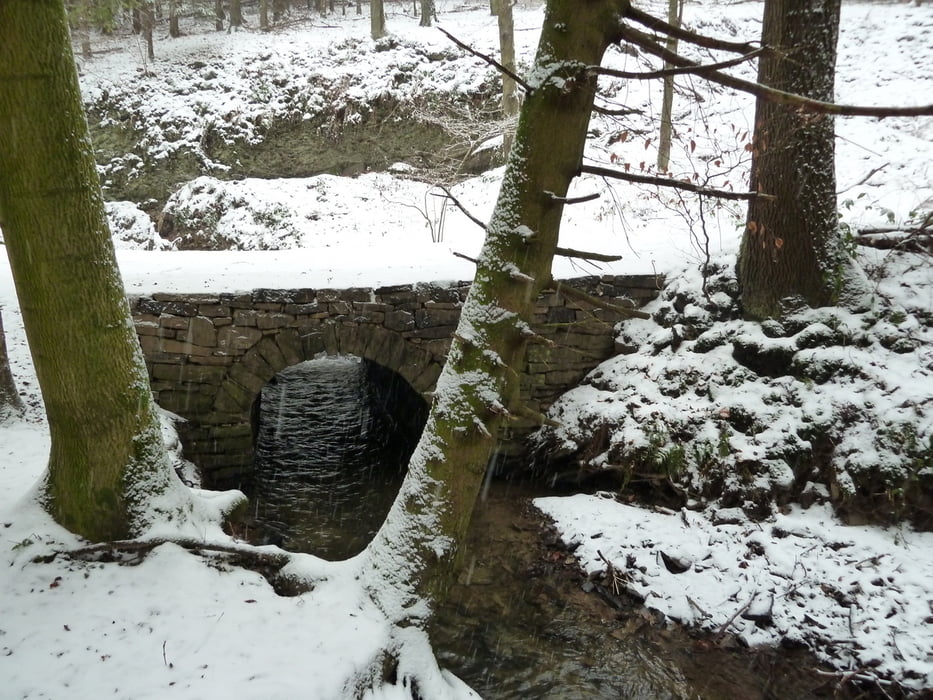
x: 108, y: 469
x: 413, y: 558
x: 791, y: 250
x: 236, y: 14
x: 377, y: 19
x: 10, y: 402
x: 218, y: 15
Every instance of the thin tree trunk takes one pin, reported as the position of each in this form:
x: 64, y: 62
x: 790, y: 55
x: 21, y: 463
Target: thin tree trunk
x: 10, y: 402
x: 507, y: 56
x: 264, y: 15
x: 377, y: 19
x: 675, y: 9
x: 219, y: 15
x: 108, y: 469
x: 413, y: 558
x: 147, y: 19
x: 84, y: 32
x: 791, y: 250
x: 173, y: 29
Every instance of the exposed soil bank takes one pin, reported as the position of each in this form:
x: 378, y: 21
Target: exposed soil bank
x: 389, y: 134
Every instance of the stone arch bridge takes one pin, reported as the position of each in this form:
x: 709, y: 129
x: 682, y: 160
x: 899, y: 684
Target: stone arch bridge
x: 210, y: 355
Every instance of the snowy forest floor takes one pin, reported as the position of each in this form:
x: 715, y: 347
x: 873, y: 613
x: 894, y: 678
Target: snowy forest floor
x: 859, y: 596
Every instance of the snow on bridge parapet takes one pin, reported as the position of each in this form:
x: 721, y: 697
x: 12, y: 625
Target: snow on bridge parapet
x: 209, y: 355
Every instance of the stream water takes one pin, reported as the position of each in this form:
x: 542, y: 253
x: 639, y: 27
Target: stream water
x: 334, y: 437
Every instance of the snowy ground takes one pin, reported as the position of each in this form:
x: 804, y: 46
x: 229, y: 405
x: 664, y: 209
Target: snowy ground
x: 171, y: 626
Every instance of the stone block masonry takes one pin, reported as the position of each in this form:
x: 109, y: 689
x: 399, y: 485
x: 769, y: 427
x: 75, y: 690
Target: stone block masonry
x: 210, y: 355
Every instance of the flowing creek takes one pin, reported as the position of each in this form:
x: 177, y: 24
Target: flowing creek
x: 334, y: 438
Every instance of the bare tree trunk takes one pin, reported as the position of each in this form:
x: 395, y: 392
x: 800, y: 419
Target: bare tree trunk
x: 675, y: 9
x: 427, y: 12
x: 503, y: 11
x: 377, y: 19
x: 85, y: 33
x: 10, y: 402
x: 147, y: 22
x: 219, y: 15
x: 264, y: 15
x: 413, y: 558
x: 173, y: 29
x: 236, y: 14
x: 792, y: 247
x: 109, y: 475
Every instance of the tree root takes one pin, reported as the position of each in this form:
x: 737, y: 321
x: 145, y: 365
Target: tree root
x: 131, y: 552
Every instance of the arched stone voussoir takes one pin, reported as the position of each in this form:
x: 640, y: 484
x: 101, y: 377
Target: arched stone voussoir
x: 234, y: 398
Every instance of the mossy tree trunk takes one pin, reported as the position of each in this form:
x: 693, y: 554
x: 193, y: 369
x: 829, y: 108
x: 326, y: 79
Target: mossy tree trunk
x: 108, y: 469
x: 413, y: 558
x: 792, y: 249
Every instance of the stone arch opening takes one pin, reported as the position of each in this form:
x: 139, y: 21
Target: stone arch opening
x: 333, y: 437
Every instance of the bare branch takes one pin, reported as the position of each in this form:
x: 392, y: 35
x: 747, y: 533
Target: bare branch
x: 671, y: 182
x: 573, y: 200
x: 465, y: 257
x: 764, y: 92
x: 622, y: 112
x: 461, y: 207
x: 491, y: 61
x: 708, y: 42
x: 584, y: 255
x: 664, y: 72
x: 864, y: 179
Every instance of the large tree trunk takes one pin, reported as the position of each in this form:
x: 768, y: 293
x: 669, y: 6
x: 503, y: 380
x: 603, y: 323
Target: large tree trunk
x: 412, y: 560
x: 108, y: 469
x: 10, y: 403
x: 792, y: 249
